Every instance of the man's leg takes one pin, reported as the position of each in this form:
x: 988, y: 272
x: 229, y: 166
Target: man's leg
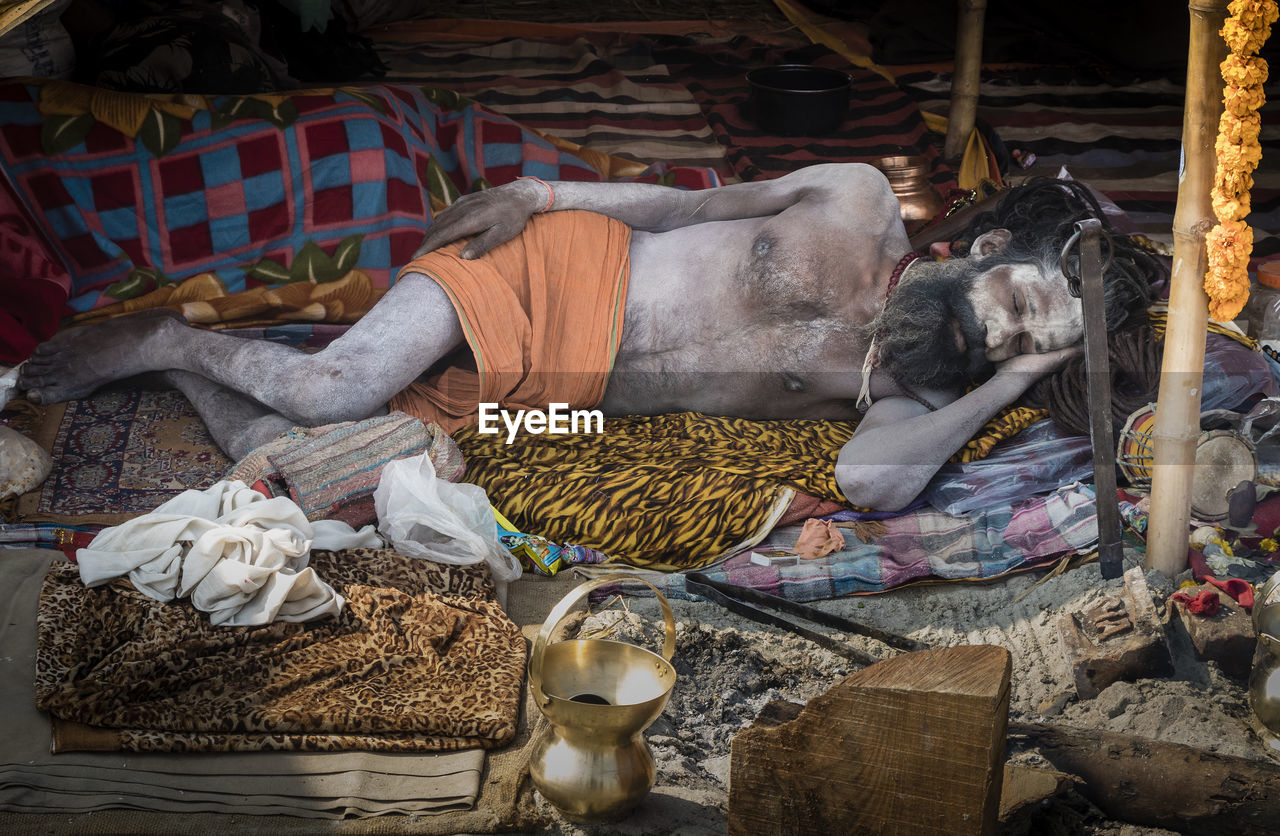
x: 237, y: 424
x: 408, y: 330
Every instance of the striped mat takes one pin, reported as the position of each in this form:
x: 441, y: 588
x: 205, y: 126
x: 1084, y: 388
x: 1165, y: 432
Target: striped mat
x: 677, y: 99
x: 684, y: 100
x: 1120, y: 132
x: 607, y: 93
x: 882, y: 120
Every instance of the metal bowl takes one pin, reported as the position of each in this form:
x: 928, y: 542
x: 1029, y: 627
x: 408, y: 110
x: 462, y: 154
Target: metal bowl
x: 798, y: 99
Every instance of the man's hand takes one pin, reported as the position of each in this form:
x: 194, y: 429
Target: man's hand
x: 1036, y: 366
x: 489, y: 218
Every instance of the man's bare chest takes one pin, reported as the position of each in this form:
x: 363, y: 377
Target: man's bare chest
x: 740, y: 365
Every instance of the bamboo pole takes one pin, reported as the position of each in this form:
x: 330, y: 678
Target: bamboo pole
x: 1177, y: 423
x: 966, y: 78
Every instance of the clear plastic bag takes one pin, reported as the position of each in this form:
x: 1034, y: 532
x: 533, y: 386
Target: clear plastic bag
x: 427, y: 517
x: 1037, y: 460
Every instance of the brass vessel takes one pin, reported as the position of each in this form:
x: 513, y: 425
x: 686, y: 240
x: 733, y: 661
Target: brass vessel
x: 590, y: 758
x: 909, y: 179
x: 1264, y: 680
x: 1266, y: 607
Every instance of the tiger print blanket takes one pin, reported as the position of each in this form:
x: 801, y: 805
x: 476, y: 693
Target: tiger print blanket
x: 422, y: 658
x: 671, y: 492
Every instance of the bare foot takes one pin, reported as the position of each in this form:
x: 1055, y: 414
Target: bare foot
x: 78, y: 360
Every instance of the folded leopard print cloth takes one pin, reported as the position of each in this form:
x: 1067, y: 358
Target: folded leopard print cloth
x: 422, y: 659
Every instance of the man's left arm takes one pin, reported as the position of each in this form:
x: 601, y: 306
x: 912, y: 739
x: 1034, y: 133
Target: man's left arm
x: 900, y: 444
x: 495, y: 215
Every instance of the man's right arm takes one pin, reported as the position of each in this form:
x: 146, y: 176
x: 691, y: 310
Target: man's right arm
x: 900, y: 444
x: 495, y: 215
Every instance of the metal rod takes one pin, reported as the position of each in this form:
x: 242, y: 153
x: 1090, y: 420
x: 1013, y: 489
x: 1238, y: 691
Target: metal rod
x: 1097, y: 373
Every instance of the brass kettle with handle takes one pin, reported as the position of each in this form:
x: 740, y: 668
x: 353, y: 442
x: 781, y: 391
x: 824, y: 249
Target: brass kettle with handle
x: 590, y: 758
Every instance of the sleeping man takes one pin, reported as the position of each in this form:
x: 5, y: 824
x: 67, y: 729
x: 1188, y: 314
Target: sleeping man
x: 789, y: 298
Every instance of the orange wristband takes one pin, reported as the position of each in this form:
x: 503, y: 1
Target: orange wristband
x: 551, y: 194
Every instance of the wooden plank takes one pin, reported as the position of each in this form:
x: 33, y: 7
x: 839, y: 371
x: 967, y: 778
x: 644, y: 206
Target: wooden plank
x: 14, y: 13
x: 966, y: 78
x: 1149, y: 782
x: 914, y: 744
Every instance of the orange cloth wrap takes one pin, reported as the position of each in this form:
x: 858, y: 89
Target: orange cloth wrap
x: 542, y: 314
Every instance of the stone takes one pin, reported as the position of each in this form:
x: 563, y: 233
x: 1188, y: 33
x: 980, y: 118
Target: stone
x: 1226, y: 637
x: 23, y: 464
x: 1117, y: 638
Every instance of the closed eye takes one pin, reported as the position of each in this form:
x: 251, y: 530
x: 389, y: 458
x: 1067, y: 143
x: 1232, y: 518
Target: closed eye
x: 1017, y: 308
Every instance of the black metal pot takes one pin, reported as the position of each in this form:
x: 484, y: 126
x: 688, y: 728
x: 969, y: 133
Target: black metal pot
x: 798, y: 99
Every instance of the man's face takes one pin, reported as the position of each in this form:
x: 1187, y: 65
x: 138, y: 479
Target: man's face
x: 946, y: 327
x: 1023, y: 311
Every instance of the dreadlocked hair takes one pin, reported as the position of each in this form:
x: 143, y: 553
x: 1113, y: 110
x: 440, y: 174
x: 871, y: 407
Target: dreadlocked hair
x: 1133, y: 364
x: 1042, y: 214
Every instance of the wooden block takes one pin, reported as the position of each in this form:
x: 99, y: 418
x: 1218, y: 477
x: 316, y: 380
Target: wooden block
x: 914, y: 744
x: 1226, y: 637
x: 1118, y: 638
x: 1025, y: 787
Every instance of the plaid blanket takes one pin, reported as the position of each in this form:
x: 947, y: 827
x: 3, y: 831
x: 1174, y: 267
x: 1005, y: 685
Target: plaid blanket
x: 108, y: 196
x: 926, y: 545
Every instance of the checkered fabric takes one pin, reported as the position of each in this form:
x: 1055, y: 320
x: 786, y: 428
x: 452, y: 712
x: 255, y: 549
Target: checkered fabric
x: 355, y: 166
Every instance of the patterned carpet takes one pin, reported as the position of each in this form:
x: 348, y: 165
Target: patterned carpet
x: 119, y: 454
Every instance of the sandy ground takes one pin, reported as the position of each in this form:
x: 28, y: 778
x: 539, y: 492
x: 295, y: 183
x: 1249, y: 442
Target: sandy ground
x: 728, y: 668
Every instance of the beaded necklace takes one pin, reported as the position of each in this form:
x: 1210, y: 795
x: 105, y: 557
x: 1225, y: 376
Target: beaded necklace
x: 873, y: 350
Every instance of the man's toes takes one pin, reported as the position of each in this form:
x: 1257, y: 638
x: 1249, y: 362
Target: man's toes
x: 36, y: 364
x: 45, y: 392
x: 46, y: 352
x: 33, y: 378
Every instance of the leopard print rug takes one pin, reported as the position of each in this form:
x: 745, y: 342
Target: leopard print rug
x: 422, y: 658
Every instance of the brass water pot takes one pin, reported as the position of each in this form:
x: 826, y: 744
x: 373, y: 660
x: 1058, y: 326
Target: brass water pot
x: 1266, y: 607
x: 590, y: 758
x: 1264, y: 683
x: 909, y: 179
x: 1264, y: 679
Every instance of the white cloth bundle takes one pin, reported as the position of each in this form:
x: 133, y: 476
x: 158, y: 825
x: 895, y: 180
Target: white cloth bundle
x: 240, y: 556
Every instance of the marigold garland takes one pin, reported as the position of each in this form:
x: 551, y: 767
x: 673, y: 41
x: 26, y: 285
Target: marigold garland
x: 1230, y: 243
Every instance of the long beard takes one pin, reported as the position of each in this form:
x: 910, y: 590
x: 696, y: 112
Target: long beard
x: 916, y: 332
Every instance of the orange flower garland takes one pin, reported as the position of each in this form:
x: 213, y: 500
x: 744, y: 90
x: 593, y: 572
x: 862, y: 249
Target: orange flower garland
x: 1230, y: 243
